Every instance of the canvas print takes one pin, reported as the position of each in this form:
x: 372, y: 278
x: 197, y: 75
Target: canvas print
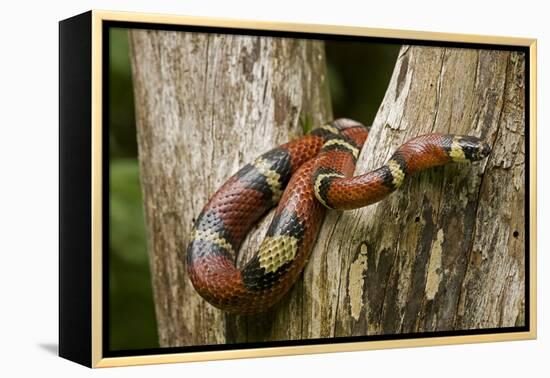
x: 271, y: 188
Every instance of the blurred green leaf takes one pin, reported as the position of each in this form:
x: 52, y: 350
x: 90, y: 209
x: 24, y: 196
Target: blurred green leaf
x: 128, y: 236
x: 122, y: 130
x: 306, y: 122
x: 133, y: 323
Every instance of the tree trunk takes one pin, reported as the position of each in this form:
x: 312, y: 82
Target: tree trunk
x: 447, y: 251
x: 206, y: 105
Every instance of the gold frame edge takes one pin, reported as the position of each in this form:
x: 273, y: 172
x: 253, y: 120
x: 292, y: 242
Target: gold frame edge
x: 157, y: 18
x: 97, y: 195
x: 309, y: 349
x: 532, y: 113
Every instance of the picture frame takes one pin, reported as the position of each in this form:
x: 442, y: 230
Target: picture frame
x: 84, y: 295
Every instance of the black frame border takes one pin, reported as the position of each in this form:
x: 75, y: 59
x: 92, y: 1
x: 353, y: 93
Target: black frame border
x: 75, y: 183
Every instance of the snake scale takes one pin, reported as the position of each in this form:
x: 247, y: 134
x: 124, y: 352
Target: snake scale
x: 304, y: 177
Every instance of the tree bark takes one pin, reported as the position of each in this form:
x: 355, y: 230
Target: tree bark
x: 206, y: 105
x: 447, y: 251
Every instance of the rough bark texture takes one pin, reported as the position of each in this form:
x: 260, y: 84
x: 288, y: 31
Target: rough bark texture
x: 206, y: 105
x: 445, y: 252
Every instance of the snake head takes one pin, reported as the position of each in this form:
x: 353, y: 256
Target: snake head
x: 471, y: 148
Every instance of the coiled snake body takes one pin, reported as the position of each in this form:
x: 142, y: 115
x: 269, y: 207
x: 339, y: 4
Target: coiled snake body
x: 305, y: 177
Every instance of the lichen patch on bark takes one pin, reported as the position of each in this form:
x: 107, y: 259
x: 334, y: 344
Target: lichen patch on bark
x: 356, y: 282
x: 434, y: 267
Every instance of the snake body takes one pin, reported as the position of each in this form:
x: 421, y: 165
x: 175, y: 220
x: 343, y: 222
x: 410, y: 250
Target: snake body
x: 305, y: 177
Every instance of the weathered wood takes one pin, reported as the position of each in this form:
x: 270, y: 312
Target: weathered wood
x: 206, y: 105
x: 445, y: 252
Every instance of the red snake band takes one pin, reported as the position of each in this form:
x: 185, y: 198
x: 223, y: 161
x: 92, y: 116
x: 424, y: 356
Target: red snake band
x: 304, y: 177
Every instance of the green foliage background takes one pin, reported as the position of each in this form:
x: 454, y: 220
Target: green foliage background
x: 358, y: 74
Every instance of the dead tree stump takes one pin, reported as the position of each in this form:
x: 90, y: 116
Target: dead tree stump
x: 206, y: 105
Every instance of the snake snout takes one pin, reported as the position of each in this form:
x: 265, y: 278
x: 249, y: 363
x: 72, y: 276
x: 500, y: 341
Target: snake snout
x: 485, y: 150
x: 479, y: 151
